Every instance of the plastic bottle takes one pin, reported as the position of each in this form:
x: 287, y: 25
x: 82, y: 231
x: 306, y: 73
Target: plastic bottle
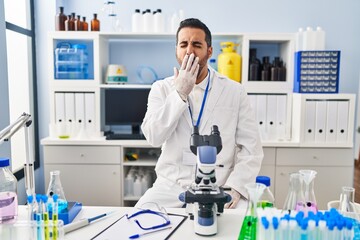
x: 129, y: 185
x: 95, y: 23
x: 299, y: 40
x: 60, y: 19
x: 147, y: 21
x: 212, y: 63
x: 55, y: 187
x: 137, y: 187
x: 309, y: 39
x: 136, y: 21
x: 229, y: 62
x: 8, y: 192
x: 175, y: 21
x: 85, y: 24
x: 319, y: 39
x: 267, y: 198
x: 159, y: 23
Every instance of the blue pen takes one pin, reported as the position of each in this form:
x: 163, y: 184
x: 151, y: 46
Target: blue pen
x: 135, y: 236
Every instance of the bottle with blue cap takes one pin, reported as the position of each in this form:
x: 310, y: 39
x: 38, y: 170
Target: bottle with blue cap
x: 8, y: 192
x: 267, y: 198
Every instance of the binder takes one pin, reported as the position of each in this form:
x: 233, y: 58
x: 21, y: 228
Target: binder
x: 281, y: 116
x: 271, y: 112
x: 79, y: 110
x: 70, y: 113
x: 331, y: 121
x: 261, y: 115
x: 309, y: 124
x: 252, y: 100
x: 342, y: 121
x: 90, y: 113
x: 320, y: 125
x: 60, y: 121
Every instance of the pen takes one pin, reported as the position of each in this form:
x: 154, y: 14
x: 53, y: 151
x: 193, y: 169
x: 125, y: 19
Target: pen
x: 145, y: 233
x: 83, y: 222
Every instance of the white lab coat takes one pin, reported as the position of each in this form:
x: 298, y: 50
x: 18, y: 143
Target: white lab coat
x: 167, y: 123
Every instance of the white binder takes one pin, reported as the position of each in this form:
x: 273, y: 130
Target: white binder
x: 320, y: 125
x: 70, y: 113
x: 331, y: 121
x: 309, y: 124
x: 261, y: 115
x: 60, y: 121
x: 271, y: 112
x: 252, y: 100
x: 90, y: 113
x: 342, y: 121
x: 80, y: 109
x: 281, y: 116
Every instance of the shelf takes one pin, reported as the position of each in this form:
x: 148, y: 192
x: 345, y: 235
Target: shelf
x: 131, y: 198
x: 125, y: 85
x: 140, y: 162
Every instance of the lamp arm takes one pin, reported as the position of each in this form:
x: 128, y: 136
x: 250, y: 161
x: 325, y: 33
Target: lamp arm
x: 9, y: 131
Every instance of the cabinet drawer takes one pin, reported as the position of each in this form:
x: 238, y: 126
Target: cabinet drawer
x: 315, y: 156
x: 269, y: 156
x: 82, y: 154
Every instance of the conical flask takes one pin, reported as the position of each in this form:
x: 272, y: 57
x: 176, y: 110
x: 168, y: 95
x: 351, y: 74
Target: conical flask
x: 308, y: 177
x: 248, y: 228
x: 55, y: 187
x: 346, y: 203
x: 295, y: 200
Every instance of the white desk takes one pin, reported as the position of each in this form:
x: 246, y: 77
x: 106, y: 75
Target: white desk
x: 229, y: 223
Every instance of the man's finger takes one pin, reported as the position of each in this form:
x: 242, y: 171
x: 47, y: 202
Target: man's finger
x: 184, y: 62
x: 190, y: 62
x: 176, y: 72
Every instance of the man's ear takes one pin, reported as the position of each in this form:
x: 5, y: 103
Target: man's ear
x: 210, y: 51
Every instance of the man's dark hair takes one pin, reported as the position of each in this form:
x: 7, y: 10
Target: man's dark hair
x: 195, y: 23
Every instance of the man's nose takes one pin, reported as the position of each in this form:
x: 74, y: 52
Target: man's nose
x: 189, y: 50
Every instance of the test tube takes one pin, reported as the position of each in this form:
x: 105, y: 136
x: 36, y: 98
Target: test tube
x: 30, y: 207
x: 45, y: 217
x: 55, y: 216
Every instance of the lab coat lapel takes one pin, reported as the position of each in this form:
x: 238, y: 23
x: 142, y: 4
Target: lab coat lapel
x: 213, y: 97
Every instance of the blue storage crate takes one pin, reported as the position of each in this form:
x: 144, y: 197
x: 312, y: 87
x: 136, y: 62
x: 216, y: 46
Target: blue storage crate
x: 317, y: 71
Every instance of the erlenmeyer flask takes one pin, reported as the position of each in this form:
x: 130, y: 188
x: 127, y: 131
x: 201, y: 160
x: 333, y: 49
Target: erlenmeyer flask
x: 55, y: 187
x: 308, y: 177
x: 295, y: 199
x: 248, y: 228
x: 346, y: 203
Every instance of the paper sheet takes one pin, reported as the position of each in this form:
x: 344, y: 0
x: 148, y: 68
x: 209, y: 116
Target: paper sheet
x: 123, y: 228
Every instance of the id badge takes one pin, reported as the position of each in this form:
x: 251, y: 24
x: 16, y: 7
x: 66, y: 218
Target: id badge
x: 189, y: 158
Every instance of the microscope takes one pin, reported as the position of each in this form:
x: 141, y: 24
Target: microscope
x: 205, y: 200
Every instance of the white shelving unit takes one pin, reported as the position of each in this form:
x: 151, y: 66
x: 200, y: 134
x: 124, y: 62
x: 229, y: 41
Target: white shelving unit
x: 80, y: 159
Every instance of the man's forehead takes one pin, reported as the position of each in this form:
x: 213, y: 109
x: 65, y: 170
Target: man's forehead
x: 191, y: 34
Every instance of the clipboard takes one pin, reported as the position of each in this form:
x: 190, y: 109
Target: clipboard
x: 123, y: 228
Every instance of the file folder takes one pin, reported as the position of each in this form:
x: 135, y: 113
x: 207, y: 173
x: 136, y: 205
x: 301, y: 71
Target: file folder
x: 281, y: 116
x: 60, y: 121
x: 309, y: 124
x: 271, y: 112
x: 261, y: 115
x: 320, y: 125
x: 70, y: 113
x: 342, y: 121
x: 90, y: 113
x: 331, y: 121
x: 252, y: 100
x: 80, y: 110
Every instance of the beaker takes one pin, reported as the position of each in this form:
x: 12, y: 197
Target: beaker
x: 346, y: 203
x: 308, y: 177
x: 248, y: 228
x: 55, y: 187
x: 295, y: 199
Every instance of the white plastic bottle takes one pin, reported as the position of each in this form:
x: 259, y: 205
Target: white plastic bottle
x: 147, y: 20
x: 137, y: 187
x: 8, y: 192
x: 129, y: 185
x: 299, y: 40
x: 319, y: 39
x: 136, y: 21
x: 174, y: 23
x: 309, y: 39
x: 159, y: 23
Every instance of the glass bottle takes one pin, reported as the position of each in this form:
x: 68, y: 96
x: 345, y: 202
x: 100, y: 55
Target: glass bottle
x: 295, y: 200
x: 308, y: 177
x: 60, y: 19
x: 55, y: 187
x: 254, y: 66
x: 281, y: 72
x: 85, y: 25
x: 95, y: 23
x: 248, y: 228
x: 266, y: 69
x: 267, y: 198
x: 275, y: 69
x: 8, y: 192
x: 70, y: 23
x: 77, y: 23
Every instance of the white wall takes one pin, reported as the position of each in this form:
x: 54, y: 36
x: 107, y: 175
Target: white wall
x: 340, y: 20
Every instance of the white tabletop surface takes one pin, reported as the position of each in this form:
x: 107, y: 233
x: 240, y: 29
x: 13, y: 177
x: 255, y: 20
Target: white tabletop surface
x: 229, y: 223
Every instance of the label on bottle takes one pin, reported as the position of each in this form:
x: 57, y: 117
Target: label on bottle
x: 8, y: 205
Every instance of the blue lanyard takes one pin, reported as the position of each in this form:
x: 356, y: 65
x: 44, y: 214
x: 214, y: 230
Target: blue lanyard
x: 202, y: 104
